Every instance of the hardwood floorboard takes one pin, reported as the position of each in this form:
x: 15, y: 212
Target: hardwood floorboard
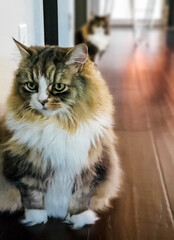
x: 130, y: 110
x: 142, y: 210
x: 157, y: 89
x: 161, y: 120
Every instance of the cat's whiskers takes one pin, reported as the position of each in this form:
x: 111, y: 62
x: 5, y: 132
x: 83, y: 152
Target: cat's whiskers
x: 23, y: 110
x: 65, y: 112
x: 74, y: 114
x: 22, y: 107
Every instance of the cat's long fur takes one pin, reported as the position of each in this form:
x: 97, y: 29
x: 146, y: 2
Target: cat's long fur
x: 58, y: 160
x: 95, y: 34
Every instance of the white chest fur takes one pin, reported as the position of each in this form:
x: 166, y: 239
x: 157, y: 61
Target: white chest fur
x: 99, y: 39
x: 55, y: 144
x: 68, y: 153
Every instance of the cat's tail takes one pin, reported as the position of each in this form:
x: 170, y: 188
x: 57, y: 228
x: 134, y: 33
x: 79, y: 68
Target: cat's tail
x: 9, y: 196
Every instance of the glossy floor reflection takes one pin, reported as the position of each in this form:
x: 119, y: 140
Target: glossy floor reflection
x: 141, y: 80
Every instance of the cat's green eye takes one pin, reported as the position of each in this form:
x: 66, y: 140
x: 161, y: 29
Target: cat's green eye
x: 59, y: 87
x: 31, y: 86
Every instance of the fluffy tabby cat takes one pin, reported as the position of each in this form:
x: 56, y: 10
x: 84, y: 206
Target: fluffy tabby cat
x: 57, y: 144
x: 95, y: 34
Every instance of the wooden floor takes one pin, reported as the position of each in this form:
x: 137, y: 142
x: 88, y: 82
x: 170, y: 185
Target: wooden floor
x: 141, y: 80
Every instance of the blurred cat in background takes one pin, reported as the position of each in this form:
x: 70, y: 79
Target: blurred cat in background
x: 95, y: 34
x: 57, y: 152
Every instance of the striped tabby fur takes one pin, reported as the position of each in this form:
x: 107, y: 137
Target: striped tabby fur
x: 58, y: 155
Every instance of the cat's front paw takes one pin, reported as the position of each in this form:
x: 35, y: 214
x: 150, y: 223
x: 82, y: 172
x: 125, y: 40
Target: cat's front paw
x: 82, y: 219
x: 35, y: 216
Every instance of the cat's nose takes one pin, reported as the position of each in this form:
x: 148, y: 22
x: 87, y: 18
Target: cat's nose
x: 43, y: 102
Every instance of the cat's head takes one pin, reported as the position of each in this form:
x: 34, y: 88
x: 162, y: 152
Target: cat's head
x: 99, y: 22
x: 48, y: 79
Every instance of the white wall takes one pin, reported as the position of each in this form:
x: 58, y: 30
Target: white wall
x: 122, y: 9
x: 66, y: 23
x: 15, y: 12
x: 101, y: 7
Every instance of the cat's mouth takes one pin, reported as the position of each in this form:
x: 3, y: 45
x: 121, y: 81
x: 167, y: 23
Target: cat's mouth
x: 52, y: 110
x: 48, y: 108
x: 48, y: 112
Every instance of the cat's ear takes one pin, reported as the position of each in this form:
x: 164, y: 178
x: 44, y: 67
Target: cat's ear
x: 24, y: 50
x: 77, y: 55
x: 92, y: 16
x: 107, y: 16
